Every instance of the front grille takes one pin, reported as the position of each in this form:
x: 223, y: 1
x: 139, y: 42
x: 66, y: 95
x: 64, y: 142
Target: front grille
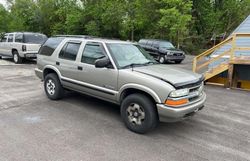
x: 195, y: 92
x: 177, y: 54
x: 194, y: 89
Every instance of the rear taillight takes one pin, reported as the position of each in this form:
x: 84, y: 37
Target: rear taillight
x: 24, y: 48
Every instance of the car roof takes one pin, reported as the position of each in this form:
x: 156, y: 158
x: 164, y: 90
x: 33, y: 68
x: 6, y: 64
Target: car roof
x: 24, y: 33
x: 90, y: 38
x: 159, y: 40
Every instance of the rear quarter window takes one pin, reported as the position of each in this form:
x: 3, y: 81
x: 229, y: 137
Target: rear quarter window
x: 19, y: 38
x: 33, y: 38
x: 149, y: 43
x: 49, y: 46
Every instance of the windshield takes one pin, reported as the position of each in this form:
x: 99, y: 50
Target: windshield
x: 167, y: 45
x: 34, y: 38
x: 129, y: 54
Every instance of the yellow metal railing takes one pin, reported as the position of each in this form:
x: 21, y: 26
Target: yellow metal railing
x: 202, y: 61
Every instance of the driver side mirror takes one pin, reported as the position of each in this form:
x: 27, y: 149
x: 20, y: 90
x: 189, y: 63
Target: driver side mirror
x: 102, y: 63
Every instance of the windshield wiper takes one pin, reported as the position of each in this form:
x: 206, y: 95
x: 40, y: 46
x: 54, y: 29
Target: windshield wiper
x: 132, y: 65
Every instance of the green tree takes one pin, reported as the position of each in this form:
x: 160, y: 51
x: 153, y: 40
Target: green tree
x: 175, y: 20
x: 4, y: 14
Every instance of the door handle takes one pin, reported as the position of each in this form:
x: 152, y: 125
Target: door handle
x: 79, y: 68
x: 57, y: 63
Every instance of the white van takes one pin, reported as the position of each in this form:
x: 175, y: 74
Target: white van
x: 21, y: 45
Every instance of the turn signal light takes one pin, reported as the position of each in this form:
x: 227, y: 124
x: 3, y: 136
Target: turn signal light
x: 171, y: 102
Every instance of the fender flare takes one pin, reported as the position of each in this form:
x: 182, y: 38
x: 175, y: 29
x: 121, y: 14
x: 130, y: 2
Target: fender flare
x: 141, y: 88
x: 53, y: 68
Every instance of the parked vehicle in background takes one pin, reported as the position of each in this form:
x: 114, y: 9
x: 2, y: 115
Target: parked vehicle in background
x: 21, y: 45
x: 122, y: 73
x: 163, y: 51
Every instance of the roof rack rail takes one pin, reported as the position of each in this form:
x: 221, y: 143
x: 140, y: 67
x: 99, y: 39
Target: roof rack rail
x: 75, y: 36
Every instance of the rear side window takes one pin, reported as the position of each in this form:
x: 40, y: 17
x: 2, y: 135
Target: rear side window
x: 49, y: 46
x: 156, y: 44
x: 19, y: 38
x: 69, y: 51
x: 149, y: 43
x: 33, y: 38
x: 10, y: 38
x: 92, y: 52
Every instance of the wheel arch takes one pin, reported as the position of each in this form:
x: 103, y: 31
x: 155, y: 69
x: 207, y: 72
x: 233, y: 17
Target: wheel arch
x: 51, y: 69
x: 134, y: 88
x: 12, y: 50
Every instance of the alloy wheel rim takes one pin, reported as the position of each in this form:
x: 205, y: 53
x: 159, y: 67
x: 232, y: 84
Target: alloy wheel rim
x: 136, y: 114
x: 50, y: 86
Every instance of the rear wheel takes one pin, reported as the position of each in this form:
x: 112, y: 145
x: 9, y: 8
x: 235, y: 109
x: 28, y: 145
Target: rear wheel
x: 16, y: 57
x: 53, y: 87
x: 139, y: 113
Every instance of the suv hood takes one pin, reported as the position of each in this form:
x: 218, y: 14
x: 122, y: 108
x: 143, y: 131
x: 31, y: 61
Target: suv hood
x: 175, y: 76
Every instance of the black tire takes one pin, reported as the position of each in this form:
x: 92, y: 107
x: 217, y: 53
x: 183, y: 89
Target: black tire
x: 178, y: 62
x: 162, y: 59
x: 16, y: 57
x: 54, y: 83
x: 151, y: 116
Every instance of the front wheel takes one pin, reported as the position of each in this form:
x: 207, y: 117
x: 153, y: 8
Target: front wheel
x: 162, y: 59
x: 16, y: 57
x: 53, y: 87
x: 139, y: 113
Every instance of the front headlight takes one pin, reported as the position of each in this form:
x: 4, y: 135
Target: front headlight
x: 179, y: 93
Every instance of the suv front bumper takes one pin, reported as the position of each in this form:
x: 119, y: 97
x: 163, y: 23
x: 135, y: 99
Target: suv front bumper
x: 173, y: 57
x: 174, y: 114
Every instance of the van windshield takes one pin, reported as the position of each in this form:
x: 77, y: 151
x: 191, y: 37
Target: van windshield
x: 34, y: 38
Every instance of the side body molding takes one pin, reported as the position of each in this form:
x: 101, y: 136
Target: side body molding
x: 139, y: 87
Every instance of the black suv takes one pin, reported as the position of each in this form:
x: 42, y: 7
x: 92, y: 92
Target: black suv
x: 163, y: 51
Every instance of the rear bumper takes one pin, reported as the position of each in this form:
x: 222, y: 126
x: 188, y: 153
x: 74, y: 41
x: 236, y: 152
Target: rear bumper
x: 39, y: 73
x: 29, y: 54
x: 171, y: 114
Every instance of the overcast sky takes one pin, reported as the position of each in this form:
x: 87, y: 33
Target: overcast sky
x: 3, y: 2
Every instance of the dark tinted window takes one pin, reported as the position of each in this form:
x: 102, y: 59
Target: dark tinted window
x: 91, y: 53
x: 149, y: 43
x: 49, y: 46
x: 156, y: 44
x: 4, y: 39
x: 33, y: 38
x: 19, y: 38
x: 10, y: 38
x: 69, y: 51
